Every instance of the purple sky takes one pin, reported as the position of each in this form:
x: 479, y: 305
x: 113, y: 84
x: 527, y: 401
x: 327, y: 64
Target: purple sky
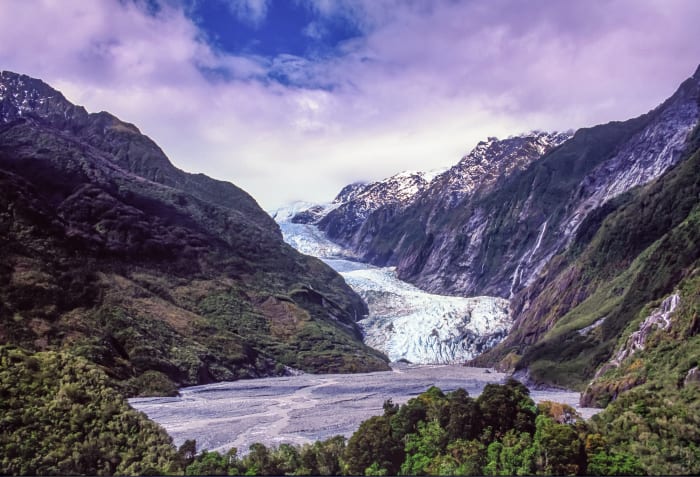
x: 292, y: 99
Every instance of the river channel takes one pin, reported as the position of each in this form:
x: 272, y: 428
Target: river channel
x: 307, y: 407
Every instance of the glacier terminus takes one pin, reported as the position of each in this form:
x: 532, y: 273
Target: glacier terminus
x: 404, y: 322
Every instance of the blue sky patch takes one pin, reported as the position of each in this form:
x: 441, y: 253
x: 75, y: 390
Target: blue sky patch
x: 287, y: 28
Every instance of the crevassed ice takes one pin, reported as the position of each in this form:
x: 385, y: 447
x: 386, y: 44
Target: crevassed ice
x: 405, y: 322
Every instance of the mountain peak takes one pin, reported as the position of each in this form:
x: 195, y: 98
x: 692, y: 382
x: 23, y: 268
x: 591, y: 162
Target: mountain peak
x: 22, y: 96
x: 491, y: 160
x: 22, y: 89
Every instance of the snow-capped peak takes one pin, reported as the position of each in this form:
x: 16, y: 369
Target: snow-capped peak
x: 286, y: 213
x: 491, y: 160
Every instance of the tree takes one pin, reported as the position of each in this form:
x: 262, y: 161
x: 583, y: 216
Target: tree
x: 186, y: 453
x: 406, y: 420
x: 614, y: 463
x: 329, y: 454
x: 259, y: 461
x: 469, y: 455
x: 390, y: 408
x: 514, y: 455
x: 373, y: 446
x: 558, y: 448
x: 423, y: 447
x: 208, y: 463
x: 505, y: 407
x: 463, y: 420
x: 287, y: 459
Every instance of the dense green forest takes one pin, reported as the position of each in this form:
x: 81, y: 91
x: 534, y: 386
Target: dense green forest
x: 60, y: 414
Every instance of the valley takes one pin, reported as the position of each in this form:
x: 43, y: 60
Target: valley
x: 568, y: 259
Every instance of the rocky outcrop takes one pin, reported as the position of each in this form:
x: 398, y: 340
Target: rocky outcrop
x: 659, y: 318
x: 354, y: 212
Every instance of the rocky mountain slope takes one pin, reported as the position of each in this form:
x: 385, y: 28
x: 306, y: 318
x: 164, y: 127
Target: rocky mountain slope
x: 382, y: 221
x: 360, y: 211
x: 627, y: 284
x: 358, y: 207
x: 159, y: 276
x: 584, y: 233
x: 596, y: 244
x: 495, y: 242
x: 490, y: 224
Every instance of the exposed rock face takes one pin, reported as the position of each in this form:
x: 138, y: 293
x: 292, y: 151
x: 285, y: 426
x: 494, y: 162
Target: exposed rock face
x: 489, y: 163
x: 440, y: 241
x: 347, y: 220
x: 642, y: 158
x: 578, y: 232
x: 647, y: 153
x: 659, y: 318
x: 492, y: 222
x: 384, y: 221
x: 693, y: 377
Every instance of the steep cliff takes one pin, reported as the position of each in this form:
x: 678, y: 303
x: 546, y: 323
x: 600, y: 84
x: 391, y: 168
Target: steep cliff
x: 591, y: 310
x: 584, y: 234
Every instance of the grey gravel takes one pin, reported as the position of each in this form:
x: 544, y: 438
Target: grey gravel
x: 305, y: 408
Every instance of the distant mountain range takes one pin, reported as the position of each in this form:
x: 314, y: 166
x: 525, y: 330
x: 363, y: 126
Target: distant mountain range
x: 161, y: 277
x: 586, y: 233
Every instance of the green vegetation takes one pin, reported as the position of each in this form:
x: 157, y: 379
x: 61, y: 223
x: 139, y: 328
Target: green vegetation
x: 654, y: 395
x: 624, y: 263
x: 160, y: 277
x: 501, y: 432
x: 626, y: 258
x: 60, y: 415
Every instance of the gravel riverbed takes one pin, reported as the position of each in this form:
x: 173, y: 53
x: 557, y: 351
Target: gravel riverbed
x: 308, y: 407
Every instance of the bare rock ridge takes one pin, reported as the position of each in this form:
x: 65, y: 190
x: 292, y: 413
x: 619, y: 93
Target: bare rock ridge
x: 160, y: 276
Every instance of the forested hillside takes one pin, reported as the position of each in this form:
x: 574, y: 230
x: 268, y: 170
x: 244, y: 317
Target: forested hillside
x: 111, y: 252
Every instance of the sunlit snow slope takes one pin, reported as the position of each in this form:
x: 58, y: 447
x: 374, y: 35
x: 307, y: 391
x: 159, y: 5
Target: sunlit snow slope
x: 405, y: 322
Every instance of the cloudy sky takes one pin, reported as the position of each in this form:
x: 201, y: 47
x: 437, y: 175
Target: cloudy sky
x: 292, y: 99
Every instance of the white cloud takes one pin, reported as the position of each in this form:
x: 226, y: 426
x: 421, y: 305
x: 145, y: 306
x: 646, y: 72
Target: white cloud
x: 315, y: 30
x: 425, y: 83
x: 250, y: 11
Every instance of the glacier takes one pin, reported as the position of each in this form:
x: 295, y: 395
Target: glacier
x: 405, y: 322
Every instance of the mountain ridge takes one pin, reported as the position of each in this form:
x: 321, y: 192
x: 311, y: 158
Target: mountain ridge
x: 537, y: 236
x: 164, y: 272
